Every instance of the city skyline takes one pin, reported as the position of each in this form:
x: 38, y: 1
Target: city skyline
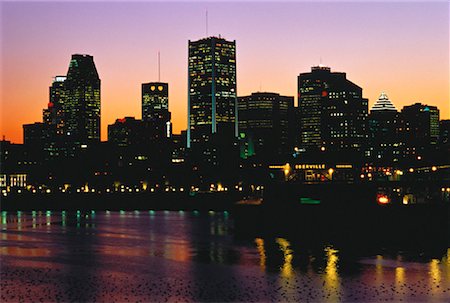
x: 403, y: 81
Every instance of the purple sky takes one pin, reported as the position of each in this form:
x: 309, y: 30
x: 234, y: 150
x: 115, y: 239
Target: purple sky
x: 400, y: 48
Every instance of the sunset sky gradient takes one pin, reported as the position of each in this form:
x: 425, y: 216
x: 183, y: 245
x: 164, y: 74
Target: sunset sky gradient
x: 400, y: 48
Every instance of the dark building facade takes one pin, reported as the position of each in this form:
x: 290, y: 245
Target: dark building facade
x: 212, y: 106
x: 265, y: 126
x: 81, y: 104
x: 155, y: 106
x: 419, y: 130
x: 384, y: 142
x: 126, y: 132
x: 444, y: 133
x: 332, y: 113
x: 54, y: 114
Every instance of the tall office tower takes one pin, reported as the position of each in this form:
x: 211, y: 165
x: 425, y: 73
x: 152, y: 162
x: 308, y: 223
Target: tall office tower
x: 155, y: 106
x: 332, y: 112
x: 55, y: 108
x: 212, y: 104
x: 264, y: 126
x: 419, y: 129
x: 384, y: 142
x: 82, y: 101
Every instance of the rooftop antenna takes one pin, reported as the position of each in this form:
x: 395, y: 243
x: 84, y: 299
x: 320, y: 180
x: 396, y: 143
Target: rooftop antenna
x: 260, y: 86
x: 206, y: 23
x: 159, y: 68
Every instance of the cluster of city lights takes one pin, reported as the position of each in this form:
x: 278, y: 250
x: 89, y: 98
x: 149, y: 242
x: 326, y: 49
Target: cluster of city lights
x: 124, y: 189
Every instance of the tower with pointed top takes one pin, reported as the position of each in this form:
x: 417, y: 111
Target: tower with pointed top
x: 81, y: 104
x: 384, y: 141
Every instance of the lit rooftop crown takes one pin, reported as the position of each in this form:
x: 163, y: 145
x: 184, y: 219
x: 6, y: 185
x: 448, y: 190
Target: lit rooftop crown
x: 383, y: 104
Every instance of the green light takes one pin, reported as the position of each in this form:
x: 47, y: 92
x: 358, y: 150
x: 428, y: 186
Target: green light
x: 48, y: 213
x: 309, y: 201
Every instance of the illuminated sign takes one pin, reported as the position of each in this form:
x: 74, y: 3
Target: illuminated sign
x: 310, y: 166
x: 344, y: 166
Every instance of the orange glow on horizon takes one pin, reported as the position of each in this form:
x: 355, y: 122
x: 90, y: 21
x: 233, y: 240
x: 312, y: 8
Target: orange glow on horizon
x: 363, y: 43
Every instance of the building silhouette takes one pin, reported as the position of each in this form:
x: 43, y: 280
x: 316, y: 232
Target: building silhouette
x: 212, y: 106
x: 264, y: 126
x: 213, y: 151
x: 155, y: 106
x: 419, y: 130
x: 332, y: 113
x: 384, y: 141
x: 81, y: 104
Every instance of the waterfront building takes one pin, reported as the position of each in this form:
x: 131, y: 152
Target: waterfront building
x: 81, y: 104
x: 126, y: 132
x: 419, y: 129
x: 332, y: 113
x: 54, y: 114
x: 212, y: 107
x: 264, y: 126
x: 384, y: 142
x: 155, y: 106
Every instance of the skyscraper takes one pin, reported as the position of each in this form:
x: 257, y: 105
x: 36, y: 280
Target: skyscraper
x: 384, y: 142
x: 332, y: 112
x: 212, y: 104
x: 419, y: 129
x: 155, y: 106
x: 264, y: 126
x: 82, y: 101
x: 55, y: 107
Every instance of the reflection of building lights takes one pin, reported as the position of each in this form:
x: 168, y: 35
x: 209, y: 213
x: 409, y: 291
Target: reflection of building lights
x: 262, y: 252
x: 286, y: 269
x: 331, y: 271
x: 435, y: 274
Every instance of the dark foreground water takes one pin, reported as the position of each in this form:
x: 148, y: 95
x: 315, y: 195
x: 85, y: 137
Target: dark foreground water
x: 198, y: 256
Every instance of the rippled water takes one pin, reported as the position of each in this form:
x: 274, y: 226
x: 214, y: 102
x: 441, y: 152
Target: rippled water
x: 196, y: 256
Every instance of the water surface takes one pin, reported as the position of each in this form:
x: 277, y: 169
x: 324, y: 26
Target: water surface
x: 197, y: 256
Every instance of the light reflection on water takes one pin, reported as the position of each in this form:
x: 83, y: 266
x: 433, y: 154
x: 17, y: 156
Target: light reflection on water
x: 196, y: 256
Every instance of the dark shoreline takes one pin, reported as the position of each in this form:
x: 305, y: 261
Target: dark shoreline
x: 119, y: 201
